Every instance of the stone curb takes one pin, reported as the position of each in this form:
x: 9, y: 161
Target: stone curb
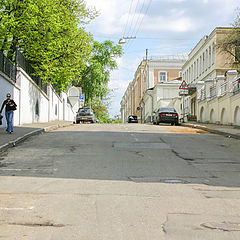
x: 30, y: 134
x: 211, y: 130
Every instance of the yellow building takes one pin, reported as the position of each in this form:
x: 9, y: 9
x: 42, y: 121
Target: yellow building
x: 211, y: 96
x: 150, y: 73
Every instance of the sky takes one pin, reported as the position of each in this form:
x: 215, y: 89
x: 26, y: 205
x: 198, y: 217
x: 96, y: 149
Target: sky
x: 164, y: 27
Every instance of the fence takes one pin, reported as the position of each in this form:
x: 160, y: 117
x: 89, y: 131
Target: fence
x: 7, y: 67
x: 26, y: 66
x: 213, y: 91
x: 236, y: 86
x: 223, y: 88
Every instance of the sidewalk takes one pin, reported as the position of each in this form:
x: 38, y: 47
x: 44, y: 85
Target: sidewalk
x: 225, y: 130
x: 27, y: 130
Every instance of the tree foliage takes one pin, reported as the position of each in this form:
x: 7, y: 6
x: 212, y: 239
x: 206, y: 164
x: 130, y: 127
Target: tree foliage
x: 95, y: 77
x: 48, y: 34
x: 51, y: 35
x: 100, y: 109
x: 230, y: 44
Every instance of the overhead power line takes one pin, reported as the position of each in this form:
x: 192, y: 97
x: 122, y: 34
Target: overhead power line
x: 149, y: 4
x: 132, y: 19
x: 139, y: 22
x: 139, y: 16
x: 130, y: 10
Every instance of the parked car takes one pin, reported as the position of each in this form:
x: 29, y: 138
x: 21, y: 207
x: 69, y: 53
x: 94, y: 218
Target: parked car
x: 85, y: 115
x: 166, y: 115
x: 132, y: 119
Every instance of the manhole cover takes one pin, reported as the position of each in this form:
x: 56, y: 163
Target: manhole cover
x: 224, y: 226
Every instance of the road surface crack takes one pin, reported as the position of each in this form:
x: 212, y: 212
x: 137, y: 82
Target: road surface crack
x: 41, y: 224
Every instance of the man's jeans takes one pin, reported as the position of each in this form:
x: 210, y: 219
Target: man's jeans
x: 9, y: 118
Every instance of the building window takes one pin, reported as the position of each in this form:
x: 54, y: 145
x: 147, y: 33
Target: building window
x: 192, y: 76
x: 180, y: 74
x: 206, y: 59
x: 203, y: 64
x: 162, y: 76
x: 210, y: 56
x: 213, y: 52
x: 197, y: 71
x: 194, y: 70
x: 200, y: 67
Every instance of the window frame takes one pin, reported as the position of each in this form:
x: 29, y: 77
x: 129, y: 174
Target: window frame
x: 159, y: 76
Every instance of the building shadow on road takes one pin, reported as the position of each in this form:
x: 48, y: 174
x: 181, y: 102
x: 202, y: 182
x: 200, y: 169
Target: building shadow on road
x: 173, y: 157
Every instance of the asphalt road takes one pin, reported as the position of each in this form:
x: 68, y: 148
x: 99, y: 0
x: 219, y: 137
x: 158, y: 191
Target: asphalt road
x: 133, y: 152
x: 117, y: 182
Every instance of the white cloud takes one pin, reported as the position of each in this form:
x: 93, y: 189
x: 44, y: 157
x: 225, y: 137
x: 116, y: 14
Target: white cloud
x: 168, y: 20
x: 158, y: 24
x: 112, y: 15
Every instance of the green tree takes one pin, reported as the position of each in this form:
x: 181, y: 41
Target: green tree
x: 230, y: 44
x: 100, y: 109
x: 51, y: 35
x: 96, y: 75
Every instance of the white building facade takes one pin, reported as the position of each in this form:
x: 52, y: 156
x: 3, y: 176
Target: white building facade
x: 211, y: 98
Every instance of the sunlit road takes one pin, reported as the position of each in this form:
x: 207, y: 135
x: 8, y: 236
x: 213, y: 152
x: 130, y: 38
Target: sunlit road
x: 127, y: 181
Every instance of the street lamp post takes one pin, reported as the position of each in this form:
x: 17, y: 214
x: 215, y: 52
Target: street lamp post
x: 123, y: 39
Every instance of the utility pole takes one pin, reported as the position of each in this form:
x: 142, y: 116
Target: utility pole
x: 146, y: 55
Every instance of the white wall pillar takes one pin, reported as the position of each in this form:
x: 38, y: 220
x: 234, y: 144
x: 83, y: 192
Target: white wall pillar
x: 219, y: 81
x: 231, y: 77
x: 200, y: 85
x: 208, y: 84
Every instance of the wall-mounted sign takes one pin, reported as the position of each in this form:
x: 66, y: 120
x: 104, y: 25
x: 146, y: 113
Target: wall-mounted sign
x: 183, y: 92
x: 81, y: 97
x: 184, y: 85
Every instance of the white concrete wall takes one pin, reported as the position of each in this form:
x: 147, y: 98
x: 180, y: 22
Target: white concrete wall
x: 28, y: 96
x: 7, y: 86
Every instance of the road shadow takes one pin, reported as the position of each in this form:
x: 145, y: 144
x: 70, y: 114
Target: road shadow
x: 168, y: 157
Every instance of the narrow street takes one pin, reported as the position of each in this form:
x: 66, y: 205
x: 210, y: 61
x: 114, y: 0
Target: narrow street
x: 127, y: 181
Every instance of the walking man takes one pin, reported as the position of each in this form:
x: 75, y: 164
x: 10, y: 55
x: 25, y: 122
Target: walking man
x: 10, y: 107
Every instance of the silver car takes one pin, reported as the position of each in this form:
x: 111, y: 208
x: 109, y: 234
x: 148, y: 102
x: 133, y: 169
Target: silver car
x: 85, y: 115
